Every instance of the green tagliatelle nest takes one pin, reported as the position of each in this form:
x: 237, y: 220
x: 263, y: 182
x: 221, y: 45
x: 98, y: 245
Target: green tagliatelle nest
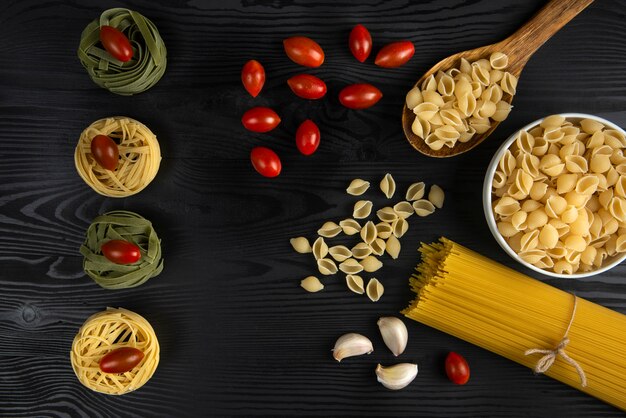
x: 145, y: 68
x: 128, y: 226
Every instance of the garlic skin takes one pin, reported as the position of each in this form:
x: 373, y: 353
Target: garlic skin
x: 394, y: 332
x: 352, y: 344
x: 397, y: 376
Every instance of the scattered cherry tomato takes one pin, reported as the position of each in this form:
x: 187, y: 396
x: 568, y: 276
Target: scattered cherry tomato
x: 121, y: 360
x: 457, y: 368
x: 105, y: 151
x: 253, y: 77
x: 359, y: 96
x: 265, y: 161
x: 260, y: 119
x: 116, y: 43
x: 119, y: 251
x: 395, y: 54
x: 307, y: 86
x: 304, y: 51
x: 360, y: 42
x: 308, y: 137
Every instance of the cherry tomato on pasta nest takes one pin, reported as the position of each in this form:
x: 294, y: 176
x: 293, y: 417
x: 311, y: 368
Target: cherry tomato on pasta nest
x: 360, y: 42
x: 265, y: 161
x: 359, y: 96
x: 308, y: 137
x: 121, y: 360
x: 119, y: 251
x: 116, y: 43
x: 395, y: 54
x: 307, y: 86
x: 105, y: 152
x: 457, y: 368
x: 253, y: 77
x: 260, y: 119
x: 304, y: 51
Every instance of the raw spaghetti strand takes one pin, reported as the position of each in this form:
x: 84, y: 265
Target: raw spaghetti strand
x: 127, y: 226
x: 487, y: 304
x: 140, y: 157
x: 145, y: 68
x: 104, y: 332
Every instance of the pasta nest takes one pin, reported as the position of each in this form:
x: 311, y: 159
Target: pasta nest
x: 104, y: 332
x: 144, y: 69
x: 140, y: 157
x: 126, y: 226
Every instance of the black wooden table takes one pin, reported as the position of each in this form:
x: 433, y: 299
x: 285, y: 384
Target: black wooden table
x: 238, y: 335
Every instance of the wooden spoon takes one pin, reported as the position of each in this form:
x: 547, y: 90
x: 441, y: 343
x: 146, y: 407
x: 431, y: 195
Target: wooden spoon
x: 519, y: 47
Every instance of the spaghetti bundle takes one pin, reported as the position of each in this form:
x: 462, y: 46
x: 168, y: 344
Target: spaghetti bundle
x: 145, y: 68
x: 140, y: 157
x: 127, y: 226
x: 104, y: 332
x: 480, y: 301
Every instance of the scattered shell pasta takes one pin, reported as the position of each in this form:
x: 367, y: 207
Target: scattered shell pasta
x: 558, y: 197
x: 383, y: 230
x: 351, y: 266
x: 369, y: 232
x: 415, y: 191
x: 387, y: 214
x: 362, y: 209
x: 329, y: 230
x: 399, y: 227
x: 361, y: 250
x: 378, y: 246
x: 355, y: 283
x: 436, y: 196
x: 388, y: 186
x: 371, y: 264
x: 340, y: 253
x: 311, y: 284
x: 357, y: 187
x: 326, y: 266
x: 403, y: 209
x: 320, y: 248
x: 350, y: 226
x: 374, y: 290
x: 392, y: 247
x: 301, y: 245
x: 423, y: 207
x: 454, y: 105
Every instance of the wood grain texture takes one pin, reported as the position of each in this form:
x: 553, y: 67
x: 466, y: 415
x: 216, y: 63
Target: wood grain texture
x: 238, y: 336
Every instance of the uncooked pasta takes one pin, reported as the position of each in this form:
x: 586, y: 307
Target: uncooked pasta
x: 476, y: 299
x: 104, y: 332
x: 144, y: 69
x: 139, y: 157
x: 127, y: 226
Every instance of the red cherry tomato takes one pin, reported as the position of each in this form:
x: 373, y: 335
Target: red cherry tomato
x: 307, y: 86
x: 359, y: 96
x: 260, y: 119
x: 457, y: 368
x: 121, y: 360
x: 304, y: 51
x: 119, y: 251
x: 308, y: 137
x: 105, y: 152
x: 116, y: 43
x: 360, y: 42
x: 395, y: 54
x: 265, y: 161
x: 253, y: 77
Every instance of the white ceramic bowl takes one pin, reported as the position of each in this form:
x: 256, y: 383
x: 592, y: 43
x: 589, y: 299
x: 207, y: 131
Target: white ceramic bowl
x: 487, y: 200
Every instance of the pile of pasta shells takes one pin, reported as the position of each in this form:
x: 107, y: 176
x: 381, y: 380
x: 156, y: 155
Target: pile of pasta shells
x: 455, y: 105
x: 376, y: 237
x: 559, y: 195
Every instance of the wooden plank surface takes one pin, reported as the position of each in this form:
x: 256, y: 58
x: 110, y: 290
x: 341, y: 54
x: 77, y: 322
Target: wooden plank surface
x: 238, y: 335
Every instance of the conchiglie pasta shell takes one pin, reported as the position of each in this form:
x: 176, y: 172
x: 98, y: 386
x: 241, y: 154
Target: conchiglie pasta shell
x: 319, y: 249
x: 311, y: 284
x: 340, y: 253
x: 403, y: 210
x: 423, y: 207
x: 387, y: 214
x: 400, y: 227
x: 374, y: 290
x: 362, y: 209
x: 351, y: 266
x: 415, y: 191
x: 436, y: 196
x: 301, y: 245
x: 498, y: 60
x: 357, y: 187
x: 361, y: 250
x: 388, y: 186
x: 350, y: 226
x: 329, y: 230
x: 378, y: 246
x: 355, y: 283
x: 326, y: 266
x: 414, y: 98
x: 371, y: 264
x: 393, y: 247
x: 369, y: 232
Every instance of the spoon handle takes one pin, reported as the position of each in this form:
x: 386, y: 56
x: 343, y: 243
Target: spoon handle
x: 526, y: 40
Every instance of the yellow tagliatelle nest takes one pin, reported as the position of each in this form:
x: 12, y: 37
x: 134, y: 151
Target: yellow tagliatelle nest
x: 139, y: 160
x: 107, y: 331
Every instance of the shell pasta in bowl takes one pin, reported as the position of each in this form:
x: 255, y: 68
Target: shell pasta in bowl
x: 554, y: 195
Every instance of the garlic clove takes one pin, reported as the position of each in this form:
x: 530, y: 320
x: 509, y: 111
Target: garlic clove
x: 397, y: 376
x: 352, y: 344
x: 394, y: 332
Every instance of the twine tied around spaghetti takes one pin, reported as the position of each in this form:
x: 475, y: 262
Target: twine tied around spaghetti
x: 549, y: 357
